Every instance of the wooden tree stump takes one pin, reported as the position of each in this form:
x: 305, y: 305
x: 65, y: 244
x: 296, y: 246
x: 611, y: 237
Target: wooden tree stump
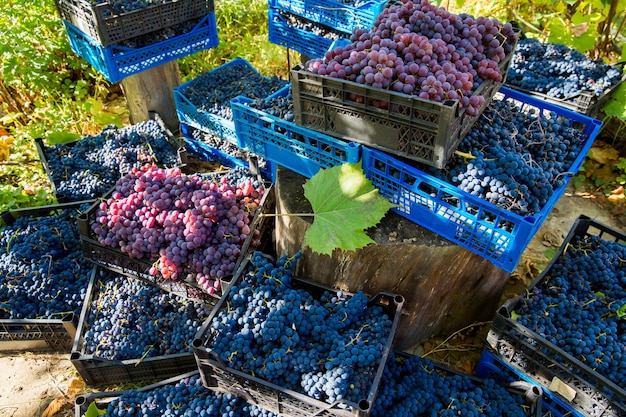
x: 151, y: 90
x: 446, y: 287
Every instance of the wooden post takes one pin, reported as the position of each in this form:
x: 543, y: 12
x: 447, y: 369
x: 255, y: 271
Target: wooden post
x: 151, y: 90
x: 446, y: 287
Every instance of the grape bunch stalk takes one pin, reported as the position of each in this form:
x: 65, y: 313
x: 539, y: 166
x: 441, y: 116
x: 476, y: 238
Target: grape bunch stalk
x: 190, y: 227
x: 418, y: 49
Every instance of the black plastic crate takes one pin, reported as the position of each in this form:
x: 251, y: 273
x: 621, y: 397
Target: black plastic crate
x: 217, y: 375
x: 55, y: 332
x: 411, y: 127
x: 115, y: 260
x: 106, y: 26
x: 588, y: 392
x: 98, y: 371
x: 43, y: 151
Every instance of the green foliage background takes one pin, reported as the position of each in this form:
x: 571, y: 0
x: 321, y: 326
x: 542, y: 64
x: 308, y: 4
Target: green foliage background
x: 45, y: 88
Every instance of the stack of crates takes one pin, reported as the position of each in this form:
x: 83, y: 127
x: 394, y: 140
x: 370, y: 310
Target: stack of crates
x: 119, y: 43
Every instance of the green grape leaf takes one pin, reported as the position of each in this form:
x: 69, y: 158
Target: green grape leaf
x: 622, y: 311
x: 104, y: 117
x: 616, y: 105
x: 515, y: 315
x: 344, y: 203
x: 62, y: 136
x: 94, y: 411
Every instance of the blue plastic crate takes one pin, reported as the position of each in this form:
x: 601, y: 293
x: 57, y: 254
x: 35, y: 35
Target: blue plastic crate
x: 207, y: 152
x: 211, y: 123
x: 302, y: 150
x: 335, y: 14
x: 281, y: 33
x: 492, y: 232
x: 490, y: 366
x: 118, y: 62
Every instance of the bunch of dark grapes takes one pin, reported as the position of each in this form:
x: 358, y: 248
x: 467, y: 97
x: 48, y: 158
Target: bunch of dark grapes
x: 317, y: 29
x: 191, y: 227
x: 579, y: 305
x: 42, y: 270
x: 212, y: 91
x: 558, y: 70
x: 160, y: 35
x: 416, y: 387
x: 418, y: 49
x: 327, y: 347
x: 88, y: 168
x: 129, y: 319
x: 279, y: 106
x: 514, y: 157
x: 187, y: 397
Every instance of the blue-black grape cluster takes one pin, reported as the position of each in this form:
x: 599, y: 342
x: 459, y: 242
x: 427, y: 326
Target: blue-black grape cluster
x: 42, y: 270
x: 518, y: 158
x: 327, y: 347
x: 558, y: 70
x: 306, y: 25
x: 418, y: 49
x: 129, y: 319
x: 191, y: 227
x: 185, y: 398
x: 160, y: 35
x: 212, y: 91
x: 580, y: 304
x: 89, y: 167
x: 413, y: 386
x: 281, y: 106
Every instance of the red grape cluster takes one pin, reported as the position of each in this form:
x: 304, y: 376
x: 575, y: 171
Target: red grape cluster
x: 416, y: 48
x: 190, y: 226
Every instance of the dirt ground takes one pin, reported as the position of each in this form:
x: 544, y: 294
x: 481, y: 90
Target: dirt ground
x: 46, y: 384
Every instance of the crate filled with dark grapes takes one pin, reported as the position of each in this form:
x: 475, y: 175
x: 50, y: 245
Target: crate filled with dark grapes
x: 296, y: 33
x: 183, y: 233
x: 492, y: 367
x: 501, y: 184
x: 204, y: 102
x: 132, y: 56
x: 110, y: 22
x: 414, y: 91
x: 344, y: 16
x: 88, y: 168
x: 566, y: 331
x: 415, y: 386
x: 43, y: 277
x: 181, y: 395
x: 131, y: 331
x: 561, y: 75
x: 294, y: 347
x: 208, y: 147
x: 265, y: 128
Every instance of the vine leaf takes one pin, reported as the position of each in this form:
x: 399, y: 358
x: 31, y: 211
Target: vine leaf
x: 344, y: 203
x: 94, y: 411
